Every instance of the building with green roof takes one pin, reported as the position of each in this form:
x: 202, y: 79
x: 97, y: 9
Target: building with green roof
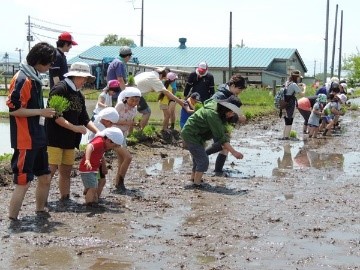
x: 262, y: 66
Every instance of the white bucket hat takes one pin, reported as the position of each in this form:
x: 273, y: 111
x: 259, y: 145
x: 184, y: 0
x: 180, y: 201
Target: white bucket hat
x: 113, y: 133
x: 80, y: 69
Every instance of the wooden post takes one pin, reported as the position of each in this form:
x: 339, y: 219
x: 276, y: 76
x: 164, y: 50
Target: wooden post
x: 274, y: 87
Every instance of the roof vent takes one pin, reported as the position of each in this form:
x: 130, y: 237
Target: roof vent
x: 182, y: 43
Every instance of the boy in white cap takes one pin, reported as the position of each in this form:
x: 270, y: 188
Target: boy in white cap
x: 109, y: 138
x: 64, y: 132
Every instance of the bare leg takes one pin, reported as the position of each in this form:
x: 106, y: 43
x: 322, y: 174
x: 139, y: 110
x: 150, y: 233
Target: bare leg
x: 172, y: 106
x: 42, y: 191
x: 91, y: 196
x: 17, y: 199
x: 144, y: 120
x: 64, y: 180
x: 166, y: 113
x: 198, y: 177
x: 124, y: 160
x: 101, y: 185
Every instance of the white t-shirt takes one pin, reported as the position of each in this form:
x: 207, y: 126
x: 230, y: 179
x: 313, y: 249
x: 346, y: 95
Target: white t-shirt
x: 107, y: 100
x: 149, y: 81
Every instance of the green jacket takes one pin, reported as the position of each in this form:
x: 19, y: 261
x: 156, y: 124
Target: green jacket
x: 204, y: 125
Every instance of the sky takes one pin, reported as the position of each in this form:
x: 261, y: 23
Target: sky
x: 204, y: 23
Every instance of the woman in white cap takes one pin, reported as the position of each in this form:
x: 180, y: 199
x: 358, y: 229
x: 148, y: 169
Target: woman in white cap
x: 109, y: 138
x: 64, y: 132
x: 206, y: 123
x: 127, y: 108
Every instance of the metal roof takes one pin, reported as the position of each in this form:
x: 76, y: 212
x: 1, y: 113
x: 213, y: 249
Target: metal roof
x: 216, y: 57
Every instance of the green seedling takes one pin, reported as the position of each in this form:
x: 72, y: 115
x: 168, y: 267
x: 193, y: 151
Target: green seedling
x: 293, y: 134
x: 59, y: 104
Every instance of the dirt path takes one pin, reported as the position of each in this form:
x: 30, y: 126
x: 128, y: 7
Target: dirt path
x: 287, y: 206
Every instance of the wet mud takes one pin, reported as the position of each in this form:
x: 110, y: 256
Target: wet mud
x: 286, y: 205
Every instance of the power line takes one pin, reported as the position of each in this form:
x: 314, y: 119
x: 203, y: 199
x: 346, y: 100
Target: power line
x: 40, y: 20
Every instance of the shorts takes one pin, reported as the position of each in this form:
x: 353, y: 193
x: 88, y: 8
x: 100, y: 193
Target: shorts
x: 89, y: 179
x: 58, y: 156
x: 199, y: 156
x: 143, y: 107
x: 27, y: 163
x: 164, y: 106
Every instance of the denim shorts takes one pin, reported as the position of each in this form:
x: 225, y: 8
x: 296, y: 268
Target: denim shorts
x: 199, y: 156
x: 89, y: 179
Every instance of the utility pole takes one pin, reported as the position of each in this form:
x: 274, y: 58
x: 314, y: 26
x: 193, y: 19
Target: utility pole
x: 340, y: 47
x: 334, y: 43
x: 230, y: 46
x: 326, y: 41
x: 29, y: 37
x: 19, y: 50
x: 142, y: 24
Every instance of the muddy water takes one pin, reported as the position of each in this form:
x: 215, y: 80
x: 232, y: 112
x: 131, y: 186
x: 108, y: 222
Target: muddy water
x: 286, y: 205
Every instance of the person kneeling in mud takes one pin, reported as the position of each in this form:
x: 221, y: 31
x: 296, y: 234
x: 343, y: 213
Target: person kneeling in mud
x: 109, y: 138
x: 206, y: 123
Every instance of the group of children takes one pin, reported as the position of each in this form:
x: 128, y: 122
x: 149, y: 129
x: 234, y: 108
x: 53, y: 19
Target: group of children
x: 327, y: 109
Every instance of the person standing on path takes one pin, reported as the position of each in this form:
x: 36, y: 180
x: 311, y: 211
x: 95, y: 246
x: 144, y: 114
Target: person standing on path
x: 27, y: 128
x: 64, y: 132
x: 60, y: 67
x: 200, y: 81
x: 293, y: 86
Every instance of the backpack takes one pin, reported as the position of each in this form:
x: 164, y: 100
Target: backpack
x: 279, y: 99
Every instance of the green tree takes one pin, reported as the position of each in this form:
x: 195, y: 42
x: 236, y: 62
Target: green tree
x: 352, y: 64
x: 114, y: 40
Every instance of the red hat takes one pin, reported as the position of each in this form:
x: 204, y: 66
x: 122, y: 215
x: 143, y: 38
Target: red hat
x: 67, y: 37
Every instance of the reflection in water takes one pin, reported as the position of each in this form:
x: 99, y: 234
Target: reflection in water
x: 168, y: 164
x: 284, y: 163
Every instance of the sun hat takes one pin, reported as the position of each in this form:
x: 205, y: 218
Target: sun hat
x: 113, y: 85
x: 322, y: 98
x: 66, y: 36
x: 80, y: 69
x: 129, y: 91
x: 113, y: 133
x: 110, y: 114
x: 160, y: 69
x: 296, y: 73
x: 171, y: 76
x: 344, y: 86
x: 195, y: 96
x: 125, y: 50
x: 342, y: 98
x: 232, y: 103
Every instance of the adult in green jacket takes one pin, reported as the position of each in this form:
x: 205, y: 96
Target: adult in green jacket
x: 207, y: 123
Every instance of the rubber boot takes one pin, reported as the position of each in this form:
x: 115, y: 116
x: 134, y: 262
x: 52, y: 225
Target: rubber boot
x: 120, y: 186
x: 219, y: 164
x: 287, y: 131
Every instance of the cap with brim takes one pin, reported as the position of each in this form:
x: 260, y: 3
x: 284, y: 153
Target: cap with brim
x: 230, y: 106
x: 196, y: 96
x: 80, y: 69
x: 113, y: 133
x: 113, y: 85
x: 66, y: 36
